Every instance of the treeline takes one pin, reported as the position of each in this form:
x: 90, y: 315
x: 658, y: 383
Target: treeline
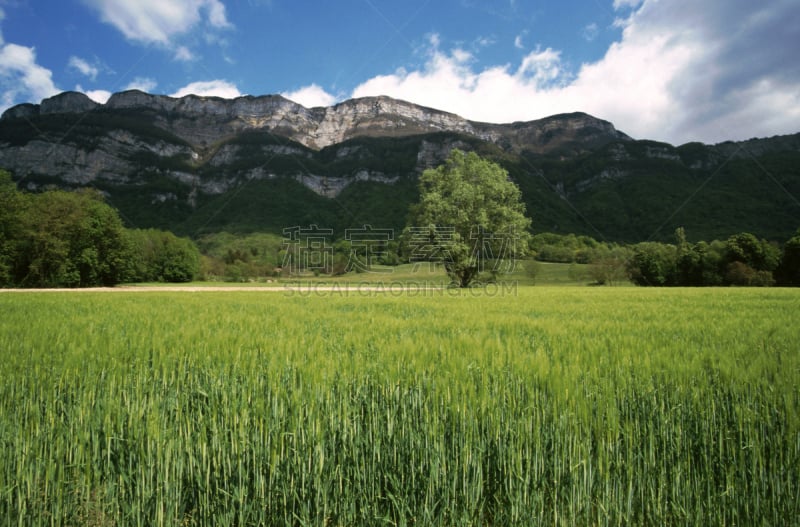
x: 236, y: 258
x: 742, y: 260
x: 75, y: 239
x: 261, y: 256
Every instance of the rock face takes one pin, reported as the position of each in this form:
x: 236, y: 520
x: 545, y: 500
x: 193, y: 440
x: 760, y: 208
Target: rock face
x: 67, y: 102
x: 137, y: 133
x: 201, y: 121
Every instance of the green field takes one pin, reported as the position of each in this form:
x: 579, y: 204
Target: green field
x: 420, y: 275
x: 510, y: 405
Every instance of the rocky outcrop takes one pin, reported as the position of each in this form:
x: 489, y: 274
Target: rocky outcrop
x: 119, y: 156
x: 431, y: 154
x: 203, y: 121
x: 72, y: 165
x: 67, y: 102
x: 330, y: 187
x: 382, y: 117
x: 608, y: 174
x: 21, y: 111
x: 202, y: 141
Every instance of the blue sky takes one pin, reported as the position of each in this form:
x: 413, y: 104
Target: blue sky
x: 672, y: 70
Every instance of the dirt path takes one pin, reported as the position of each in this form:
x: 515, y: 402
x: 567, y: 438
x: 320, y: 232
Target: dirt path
x: 287, y: 288
x: 151, y: 289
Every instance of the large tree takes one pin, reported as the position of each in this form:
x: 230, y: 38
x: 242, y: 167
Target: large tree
x: 470, y: 217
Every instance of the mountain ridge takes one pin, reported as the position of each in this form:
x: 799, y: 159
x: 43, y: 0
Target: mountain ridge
x: 316, y: 127
x: 182, y: 163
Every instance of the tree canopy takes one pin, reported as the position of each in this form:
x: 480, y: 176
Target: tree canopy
x: 75, y: 239
x: 60, y: 239
x: 470, y: 217
x: 160, y: 256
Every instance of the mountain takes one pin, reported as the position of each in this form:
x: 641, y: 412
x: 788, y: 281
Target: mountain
x: 198, y: 164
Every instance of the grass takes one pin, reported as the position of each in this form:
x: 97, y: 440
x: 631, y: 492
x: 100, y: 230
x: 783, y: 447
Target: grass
x: 424, y: 274
x: 524, y: 406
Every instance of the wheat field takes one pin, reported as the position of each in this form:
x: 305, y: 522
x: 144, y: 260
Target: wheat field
x: 503, y: 406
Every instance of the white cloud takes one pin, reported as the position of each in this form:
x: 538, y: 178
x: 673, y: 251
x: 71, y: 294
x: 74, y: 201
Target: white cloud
x: 677, y: 74
x: 541, y: 68
x: 216, y: 14
x: 144, y: 84
x: 311, y: 96
x: 213, y: 88
x: 483, y: 42
x: 184, y: 54
x: 83, y: 67
x: 21, y: 78
x: 157, y: 21
x: 626, y: 4
x: 139, y: 83
x: 495, y: 94
x: 590, y: 32
x: 99, y: 96
x: 518, y: 42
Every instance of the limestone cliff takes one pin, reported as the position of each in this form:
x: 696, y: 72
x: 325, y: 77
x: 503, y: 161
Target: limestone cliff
x: 134, y: 135
x: 202, y: 121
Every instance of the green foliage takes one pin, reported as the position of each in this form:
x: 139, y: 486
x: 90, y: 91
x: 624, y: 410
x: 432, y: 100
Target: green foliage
x: 377, y: 204
x: 277, y: 203
x: 653, y: 264
x: 75, y: 239
x: 591, y: 194
x: 607, y: 262
x: 569, y: 248
x: 739, y: 273
x: 750, y: 261
x: 160, y: 256
x: 643, y: 197
x: 68, y: 239
x: 391, y: 156
x: 749, y: 250
x: 741, y: 260
x: 238, y: 258
x: 143, y: 204
x: 609, y: 265
x: 788, y: 272
x: 700, y: 264
x: 474, y: 198
x: 13, y: 207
